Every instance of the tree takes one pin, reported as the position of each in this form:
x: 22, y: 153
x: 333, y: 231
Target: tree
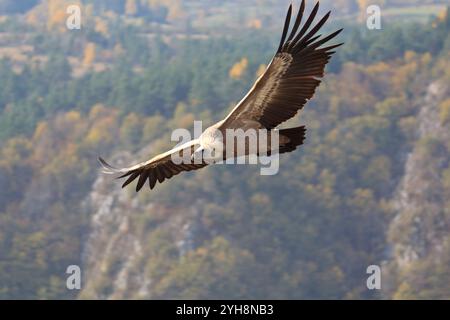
x: 89, y: 54
x: 130, y: 7
x: 238, y: 69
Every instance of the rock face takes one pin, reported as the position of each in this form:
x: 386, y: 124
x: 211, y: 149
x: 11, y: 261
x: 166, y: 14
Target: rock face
x: 115, y: 255
x: 109, y: 239
x: 419, y: 232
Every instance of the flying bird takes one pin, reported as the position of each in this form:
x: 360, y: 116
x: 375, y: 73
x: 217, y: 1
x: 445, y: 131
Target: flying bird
x: 288, y: 82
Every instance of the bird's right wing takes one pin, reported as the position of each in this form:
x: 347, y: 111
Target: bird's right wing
x: 158, y: 168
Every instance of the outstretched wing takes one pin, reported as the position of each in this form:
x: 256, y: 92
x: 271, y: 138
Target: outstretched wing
x: 159, y: 168
x: 291, y: 78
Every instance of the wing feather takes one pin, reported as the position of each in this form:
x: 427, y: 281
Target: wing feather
x: 301, y: 10
x: 286, y: 27
x: 156, y: 169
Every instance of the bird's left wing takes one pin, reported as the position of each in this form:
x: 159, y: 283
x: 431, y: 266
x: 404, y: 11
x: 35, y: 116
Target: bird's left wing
x: 291, y: 78
x: 159, y: 168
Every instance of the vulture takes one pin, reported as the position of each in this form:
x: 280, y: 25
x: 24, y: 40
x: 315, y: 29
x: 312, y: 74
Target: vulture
x: 288, y: 82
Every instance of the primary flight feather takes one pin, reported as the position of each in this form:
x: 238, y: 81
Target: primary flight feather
x: 288, y: 82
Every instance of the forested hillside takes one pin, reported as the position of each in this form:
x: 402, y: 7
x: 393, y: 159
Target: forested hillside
x: 370, y: 186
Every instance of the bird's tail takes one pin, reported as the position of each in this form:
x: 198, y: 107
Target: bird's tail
x: 295, y: 137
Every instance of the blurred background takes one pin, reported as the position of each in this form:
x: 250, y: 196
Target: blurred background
x: 371, y: 186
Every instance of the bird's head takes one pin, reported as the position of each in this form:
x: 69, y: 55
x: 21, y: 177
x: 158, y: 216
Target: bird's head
x: 210, y: 146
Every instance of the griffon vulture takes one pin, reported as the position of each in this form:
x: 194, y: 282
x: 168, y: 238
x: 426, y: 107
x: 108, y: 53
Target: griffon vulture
x: 288, y: 82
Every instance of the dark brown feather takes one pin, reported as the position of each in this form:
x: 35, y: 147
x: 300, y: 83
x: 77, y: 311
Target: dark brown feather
x: 301, y: 10
x: 131, y: 178
x: 152, y: 179
x: 286, y: 27
x: 142, y: 178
